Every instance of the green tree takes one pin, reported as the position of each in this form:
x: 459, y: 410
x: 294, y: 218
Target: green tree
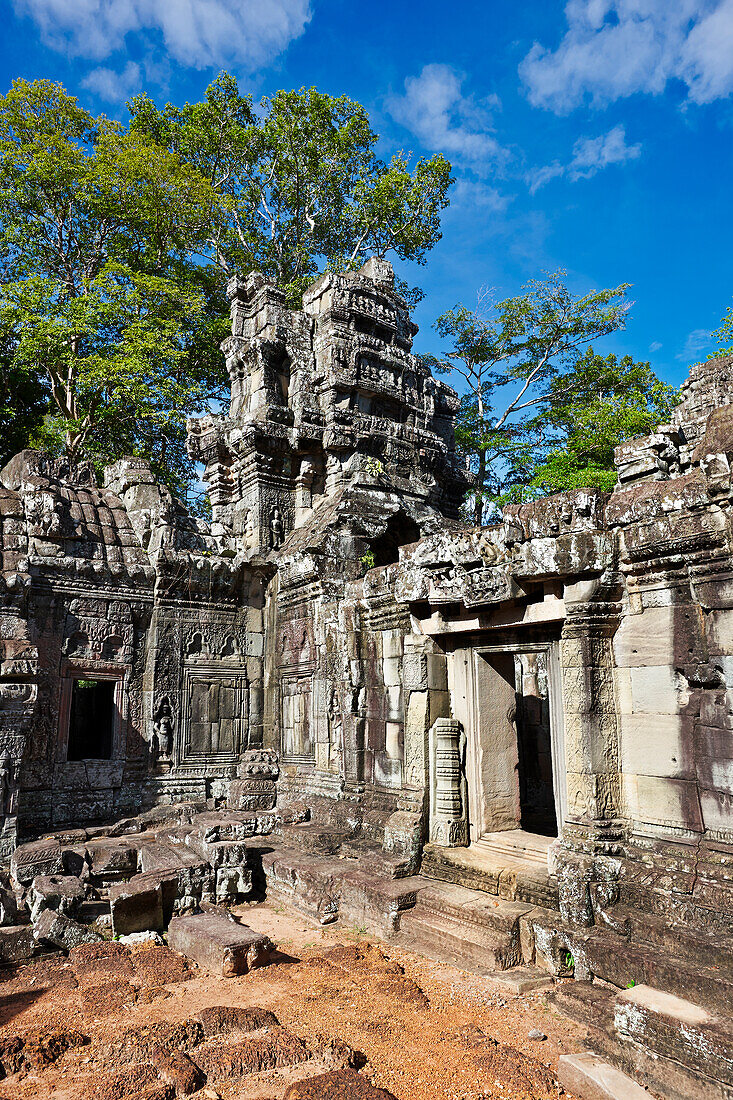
x: 102, y: 299
x: 517, y: 358
x: 23, y: 404
x: 601, y: 403
x: 299, y: 181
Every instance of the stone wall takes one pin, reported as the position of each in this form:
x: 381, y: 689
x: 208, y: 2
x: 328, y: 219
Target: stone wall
x: 336, y: 612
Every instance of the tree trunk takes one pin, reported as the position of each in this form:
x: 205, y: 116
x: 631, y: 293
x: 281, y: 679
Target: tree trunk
x: 478, y: 506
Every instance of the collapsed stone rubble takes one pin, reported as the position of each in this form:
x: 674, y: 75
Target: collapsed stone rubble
x: 508, y: 746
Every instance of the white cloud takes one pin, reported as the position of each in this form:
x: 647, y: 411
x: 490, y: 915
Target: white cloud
x: 478, y: 196
x: 112, y: 86
x: 655, y: 346
x: 615, y: 48
x: 437, y: 112
x: 696, y: 343
x: 590, y: 155
x: 196, y: 33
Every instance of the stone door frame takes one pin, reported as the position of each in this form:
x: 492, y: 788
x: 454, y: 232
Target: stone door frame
x: 476, y: 793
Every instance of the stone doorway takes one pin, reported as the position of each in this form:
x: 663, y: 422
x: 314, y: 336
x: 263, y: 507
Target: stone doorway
x: 515, y: 765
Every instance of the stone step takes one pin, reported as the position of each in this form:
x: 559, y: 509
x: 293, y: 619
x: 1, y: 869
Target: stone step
x: 371, y: 857
x: 471, y: 907
x: 308, y: 836
x: 676, y: 1028
x: 483, y: 869
x: 590, y: 1077
x: 670, y: 1045
x: 305, y: 881
x: 480, y: 950
x: 375, y: 903
x: 599, y: 952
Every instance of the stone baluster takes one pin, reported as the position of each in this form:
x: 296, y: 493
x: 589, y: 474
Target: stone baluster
x: 448, y: 825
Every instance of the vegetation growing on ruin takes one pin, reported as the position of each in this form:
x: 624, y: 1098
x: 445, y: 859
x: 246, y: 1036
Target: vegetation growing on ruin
x: 115, y: 246
x: 116, y: 243
x: 540, y: 410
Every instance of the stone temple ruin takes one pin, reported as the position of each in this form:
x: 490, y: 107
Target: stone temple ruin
x: 508, y: 746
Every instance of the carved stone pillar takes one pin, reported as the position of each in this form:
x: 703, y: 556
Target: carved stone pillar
x: 593, y: 834
x: 448, y: 821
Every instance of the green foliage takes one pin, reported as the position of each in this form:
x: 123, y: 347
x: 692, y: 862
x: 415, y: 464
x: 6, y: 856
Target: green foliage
x: 540, y: 411
x: 298, y: 181
x: 101, y: 302
x: 115, y: 245
x: 601, y: 403
x: 368, y: 560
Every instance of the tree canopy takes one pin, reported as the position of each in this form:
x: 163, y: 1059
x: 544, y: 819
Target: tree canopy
x: 540, y: 410
x: 115, y: 245
x: 101, y: 302
x: 299, y: 182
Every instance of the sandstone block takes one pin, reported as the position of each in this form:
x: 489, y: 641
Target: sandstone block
x: 657, y: 744
x: 39, y: 857
x: 112, y: 861
x: 219, y: 944
x: 60, y: 930
x: 137, y: 905
x: 252, y: 794
x: 657, y: 689
x: 16, y: 943
x: 232, y: 883
x: 415, y: 672
x: 64, y: 893
x: 589, y: 1076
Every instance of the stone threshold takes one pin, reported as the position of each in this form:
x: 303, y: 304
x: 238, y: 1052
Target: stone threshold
x: 499, y: 871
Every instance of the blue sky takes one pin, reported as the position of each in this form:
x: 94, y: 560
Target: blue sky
x: 593, y: 135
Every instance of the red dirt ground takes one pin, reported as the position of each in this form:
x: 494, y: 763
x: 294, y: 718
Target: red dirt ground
x: 92, y: 1025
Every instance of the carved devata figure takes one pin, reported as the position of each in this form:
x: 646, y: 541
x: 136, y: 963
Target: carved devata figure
x: 277, y: 531
x: 162, y: 741
x: 7, y: 785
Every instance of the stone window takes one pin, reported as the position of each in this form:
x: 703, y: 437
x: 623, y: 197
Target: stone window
x: 91, y: 720
x: 399, y: 531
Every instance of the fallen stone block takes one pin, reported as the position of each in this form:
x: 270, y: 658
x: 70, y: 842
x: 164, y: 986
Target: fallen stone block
x: 135, y: 939
x: 62, y: 931
x: 112, y: 860
x: 137, y: 905
x: 589, y: 1076
x: 219, y: 944
x: 8, y: 905
x: 225, y: 1019
x: 16, y: 943
x: 337, y: 1085
x: 232, y: 883
x: 38, y: 857
x: 64, y: 893
x: 186, y: 877
x: 254, y: 1053
x: 177, y: 1069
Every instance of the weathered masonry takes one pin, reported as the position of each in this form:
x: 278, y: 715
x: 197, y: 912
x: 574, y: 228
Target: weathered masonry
x: 505, y: 745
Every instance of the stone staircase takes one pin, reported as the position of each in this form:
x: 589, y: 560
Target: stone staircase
x: 472, y: 929
x: 679, y: 1049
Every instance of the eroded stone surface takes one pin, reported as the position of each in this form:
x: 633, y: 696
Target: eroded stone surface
x: 337, y: 677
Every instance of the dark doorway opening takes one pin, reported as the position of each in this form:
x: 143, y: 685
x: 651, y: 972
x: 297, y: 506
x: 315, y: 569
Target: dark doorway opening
x: 92, y: 719
x: 400, y: 531
x: 534, y: 745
